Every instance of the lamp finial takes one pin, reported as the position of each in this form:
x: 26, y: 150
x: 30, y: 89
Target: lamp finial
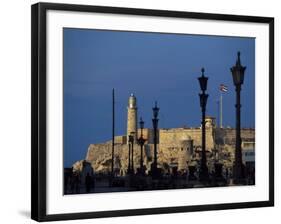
x: 238, y: 62
x: 203, y: 71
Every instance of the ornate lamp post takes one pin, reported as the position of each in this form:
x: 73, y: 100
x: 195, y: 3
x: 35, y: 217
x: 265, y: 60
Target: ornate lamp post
x: 129, y: 155
x: 132, y: 148
x: 204, y: 174
x: 141, y: 142
x: 238, y: 79
x: 155, y: 127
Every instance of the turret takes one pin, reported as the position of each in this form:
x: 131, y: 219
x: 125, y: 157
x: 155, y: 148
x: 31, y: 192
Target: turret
x: 210, y: 122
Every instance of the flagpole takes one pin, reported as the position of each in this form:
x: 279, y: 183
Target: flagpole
x: 218, y: 112
x: 113, y: 131
x: 221, y: 110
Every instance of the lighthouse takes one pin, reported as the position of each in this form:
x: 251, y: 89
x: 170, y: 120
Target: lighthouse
x: 132, y: 117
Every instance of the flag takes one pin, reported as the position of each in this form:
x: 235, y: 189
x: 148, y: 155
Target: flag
x: 223, y: 88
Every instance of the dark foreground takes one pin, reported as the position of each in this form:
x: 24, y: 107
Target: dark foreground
x: 135, y: 182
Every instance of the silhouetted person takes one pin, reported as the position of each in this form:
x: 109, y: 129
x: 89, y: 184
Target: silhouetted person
x: 72, y: 183
x: 88, y: 182
x: 174, y: 177
x: 77, y: 183
x: 226, y: 173
x: 93, y: 181
x: 65, y: 182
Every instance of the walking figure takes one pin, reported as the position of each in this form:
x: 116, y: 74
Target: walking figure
x: 88, y: 182
x: 77, y: 183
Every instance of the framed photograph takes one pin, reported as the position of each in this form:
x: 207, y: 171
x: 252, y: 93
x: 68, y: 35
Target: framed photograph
x: 139, y: 111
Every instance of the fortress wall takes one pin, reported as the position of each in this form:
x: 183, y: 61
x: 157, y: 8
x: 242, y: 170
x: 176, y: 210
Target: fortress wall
x: 169, y: 147
x: 248, y: 133
x: 147, y: 134
x: 173, y: 137
x: 173, y: 140
x: 120, y: 139
x: 99, y: 155
x: 228, y: 136
x: 95, y: 149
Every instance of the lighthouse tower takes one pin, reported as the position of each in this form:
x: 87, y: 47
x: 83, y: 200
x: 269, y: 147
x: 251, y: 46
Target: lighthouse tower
x: 132, y: 117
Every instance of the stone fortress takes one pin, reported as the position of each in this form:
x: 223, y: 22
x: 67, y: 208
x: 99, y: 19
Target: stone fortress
x: 177, y: 147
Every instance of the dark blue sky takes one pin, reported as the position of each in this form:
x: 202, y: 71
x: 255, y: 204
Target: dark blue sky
x: 162, y: 67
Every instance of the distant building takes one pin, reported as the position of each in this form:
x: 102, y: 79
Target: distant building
x: 176, y: 146
x: 248, y: 156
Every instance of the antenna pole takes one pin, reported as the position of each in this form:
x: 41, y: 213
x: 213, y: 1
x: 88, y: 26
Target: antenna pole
x: 221, y: 111
x: 113, y: 131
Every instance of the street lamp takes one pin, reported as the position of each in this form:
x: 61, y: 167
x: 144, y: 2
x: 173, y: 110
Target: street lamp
x: 155, y: 127
x: 129, y: 154
x: 131, y: 140
x: 203, y: 174
x: 141, y: 141
x: 238, y: 79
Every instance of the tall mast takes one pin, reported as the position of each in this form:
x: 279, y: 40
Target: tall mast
x: 221, y: 111
x: 113, y: 130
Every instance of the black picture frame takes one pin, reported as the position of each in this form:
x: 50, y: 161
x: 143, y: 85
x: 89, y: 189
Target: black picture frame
x: 39, y: 121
